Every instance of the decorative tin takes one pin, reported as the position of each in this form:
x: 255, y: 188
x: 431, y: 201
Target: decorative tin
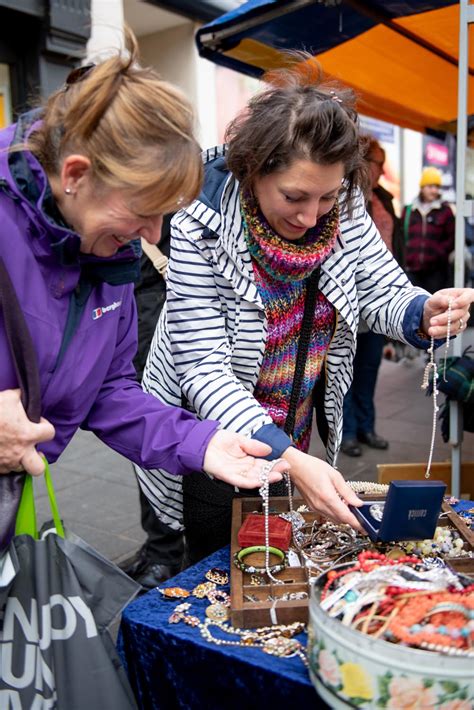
x: 350, y: 669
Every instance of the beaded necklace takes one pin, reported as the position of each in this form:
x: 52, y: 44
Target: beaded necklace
x: 431, y: 367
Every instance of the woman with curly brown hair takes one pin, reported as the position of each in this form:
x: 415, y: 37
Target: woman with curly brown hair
x: 278, y: 256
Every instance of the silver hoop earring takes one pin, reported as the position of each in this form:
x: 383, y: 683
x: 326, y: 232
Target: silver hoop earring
x: 68, y: 191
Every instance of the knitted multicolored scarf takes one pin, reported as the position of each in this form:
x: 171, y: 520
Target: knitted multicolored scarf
x: 281, y: 270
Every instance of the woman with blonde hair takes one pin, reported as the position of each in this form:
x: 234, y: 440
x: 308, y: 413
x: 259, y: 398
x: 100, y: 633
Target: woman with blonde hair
x: 80, y: 181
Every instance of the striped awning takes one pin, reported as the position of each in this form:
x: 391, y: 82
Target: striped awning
x: 400, y: 57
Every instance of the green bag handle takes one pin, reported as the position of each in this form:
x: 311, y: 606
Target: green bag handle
x: 26, y: 515
x: 406, y: 221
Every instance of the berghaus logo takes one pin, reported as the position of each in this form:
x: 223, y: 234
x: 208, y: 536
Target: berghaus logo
x: 99, y: 312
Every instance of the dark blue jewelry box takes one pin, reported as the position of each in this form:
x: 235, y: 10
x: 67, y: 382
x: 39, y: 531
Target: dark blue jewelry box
x: 409, y: 512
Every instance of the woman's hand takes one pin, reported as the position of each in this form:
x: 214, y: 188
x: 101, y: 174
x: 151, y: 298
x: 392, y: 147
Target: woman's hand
x: 231, y: 458
x: 19, y: 436
x: 435, y: 311
x: 322, y: 487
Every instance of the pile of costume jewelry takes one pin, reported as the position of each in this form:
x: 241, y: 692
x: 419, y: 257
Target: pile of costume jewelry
x: 325, y: 545
x: 412, y: 602
x: 277, y: 640
x: 319, y: 546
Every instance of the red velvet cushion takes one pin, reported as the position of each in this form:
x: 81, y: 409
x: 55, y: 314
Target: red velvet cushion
x: 252, y: 531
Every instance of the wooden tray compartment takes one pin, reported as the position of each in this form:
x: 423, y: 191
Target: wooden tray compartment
x: 250, y: 614
x: 463, y: 565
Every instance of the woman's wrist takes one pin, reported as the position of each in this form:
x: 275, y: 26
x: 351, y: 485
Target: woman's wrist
x: 291, y: 454
x: 298, y: 461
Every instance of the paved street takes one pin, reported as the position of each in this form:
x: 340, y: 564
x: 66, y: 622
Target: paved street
x: 97, y: 491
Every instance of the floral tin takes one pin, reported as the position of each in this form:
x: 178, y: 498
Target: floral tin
x: 350, y: 669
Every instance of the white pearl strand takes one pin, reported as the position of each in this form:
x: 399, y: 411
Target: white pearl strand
x: 264, y: 491
x: 448, y: 337
x: 431, y: 365
x: 290, y: 494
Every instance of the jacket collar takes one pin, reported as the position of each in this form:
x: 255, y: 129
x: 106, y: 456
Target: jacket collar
x: 426, y: 207
x: 30, y: 184
x: 217, y: 209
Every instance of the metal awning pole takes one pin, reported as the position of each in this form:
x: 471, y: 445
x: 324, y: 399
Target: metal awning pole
x: 466, y: 16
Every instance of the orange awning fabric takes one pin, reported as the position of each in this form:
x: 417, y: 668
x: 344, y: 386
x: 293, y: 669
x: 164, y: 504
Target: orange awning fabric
x: 400, y: 57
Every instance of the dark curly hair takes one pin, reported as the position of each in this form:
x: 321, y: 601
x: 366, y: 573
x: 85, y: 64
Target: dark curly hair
x: 298, y: 117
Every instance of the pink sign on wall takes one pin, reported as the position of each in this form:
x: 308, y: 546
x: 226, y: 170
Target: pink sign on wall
x: 436, y: 154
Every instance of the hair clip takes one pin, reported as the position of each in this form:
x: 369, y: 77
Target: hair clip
x: 335, y: 97
x: 77, y: 74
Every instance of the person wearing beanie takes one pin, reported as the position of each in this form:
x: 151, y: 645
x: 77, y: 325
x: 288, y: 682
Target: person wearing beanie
x: 428, y: 225
x: 431, y: 176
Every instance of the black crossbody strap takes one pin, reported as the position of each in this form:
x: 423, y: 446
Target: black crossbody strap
x: 302, y: 352
x: 21, y: 347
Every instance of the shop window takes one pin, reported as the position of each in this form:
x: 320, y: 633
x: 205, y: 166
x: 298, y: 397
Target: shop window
x: 5, y: 96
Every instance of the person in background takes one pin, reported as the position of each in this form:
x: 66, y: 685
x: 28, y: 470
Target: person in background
x: 428, y: 226
x: 359, y: 407
x: 81, y: 179
x: 280, y: 220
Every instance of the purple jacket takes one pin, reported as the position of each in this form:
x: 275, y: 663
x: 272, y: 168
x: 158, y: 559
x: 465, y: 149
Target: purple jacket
x: 81, y: 314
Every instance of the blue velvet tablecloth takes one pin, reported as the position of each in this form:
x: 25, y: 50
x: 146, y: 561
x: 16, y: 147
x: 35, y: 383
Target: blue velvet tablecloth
x: 171, y: 666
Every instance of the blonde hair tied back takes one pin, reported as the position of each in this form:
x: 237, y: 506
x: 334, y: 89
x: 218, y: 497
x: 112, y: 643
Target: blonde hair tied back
x: 136, y: 129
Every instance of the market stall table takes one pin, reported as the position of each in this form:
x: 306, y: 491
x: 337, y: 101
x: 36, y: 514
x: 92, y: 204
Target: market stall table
x: 172, y: 667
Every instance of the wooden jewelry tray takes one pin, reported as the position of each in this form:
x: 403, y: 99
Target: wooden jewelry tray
x: 250, y: 614
x: 462, y: 565
x: 264, y: 612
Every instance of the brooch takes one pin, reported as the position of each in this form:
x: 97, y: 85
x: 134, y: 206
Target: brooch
x: 174, y: 593
x: 217, y: 612
x: 204, y: 589
x: 217, y: 575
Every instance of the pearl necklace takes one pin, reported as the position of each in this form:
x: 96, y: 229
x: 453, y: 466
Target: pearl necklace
x: 431, y: 366
x: 264, y: 491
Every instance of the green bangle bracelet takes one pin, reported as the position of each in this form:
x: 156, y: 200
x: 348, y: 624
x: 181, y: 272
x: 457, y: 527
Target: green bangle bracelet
x: 252, y: 569
x: 260, y: 548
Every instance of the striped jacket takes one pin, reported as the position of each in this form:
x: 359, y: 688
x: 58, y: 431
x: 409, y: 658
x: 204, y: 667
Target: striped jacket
x: 209, y: 342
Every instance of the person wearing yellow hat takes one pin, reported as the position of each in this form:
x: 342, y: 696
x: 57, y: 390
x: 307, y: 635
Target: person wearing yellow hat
x: 428, y: 225
x: 431, y: 176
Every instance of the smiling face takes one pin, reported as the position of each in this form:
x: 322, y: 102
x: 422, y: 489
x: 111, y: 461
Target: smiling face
x: 105, y: 223
x: 292, y: 200
x: 103, y: 217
